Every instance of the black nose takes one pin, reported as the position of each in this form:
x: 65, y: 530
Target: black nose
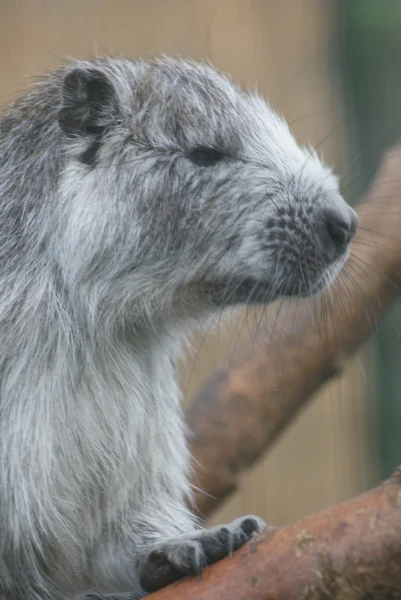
x: 336, y: 229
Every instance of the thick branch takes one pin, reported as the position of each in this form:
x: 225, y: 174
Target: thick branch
x: 243, y: 408
x: 351, y: 551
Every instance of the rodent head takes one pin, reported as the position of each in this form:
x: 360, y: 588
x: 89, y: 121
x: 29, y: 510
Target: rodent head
x: 178, y: 184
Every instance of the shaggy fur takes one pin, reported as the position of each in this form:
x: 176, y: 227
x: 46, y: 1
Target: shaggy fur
x: 134, y: 197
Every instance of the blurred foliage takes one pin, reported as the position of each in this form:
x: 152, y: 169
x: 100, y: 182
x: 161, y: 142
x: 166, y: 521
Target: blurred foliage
x: 371, y: 63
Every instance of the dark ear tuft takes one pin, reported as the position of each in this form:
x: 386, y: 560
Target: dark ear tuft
x: 89, y: 103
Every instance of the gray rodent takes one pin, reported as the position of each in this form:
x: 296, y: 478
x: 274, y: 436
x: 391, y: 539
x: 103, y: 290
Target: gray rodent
x: 135, y: 198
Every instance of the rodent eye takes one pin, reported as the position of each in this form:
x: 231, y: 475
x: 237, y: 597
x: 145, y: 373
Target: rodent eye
x: 205, y: 156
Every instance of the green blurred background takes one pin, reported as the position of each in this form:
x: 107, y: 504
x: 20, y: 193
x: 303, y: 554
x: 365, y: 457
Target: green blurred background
x: 370, y: 33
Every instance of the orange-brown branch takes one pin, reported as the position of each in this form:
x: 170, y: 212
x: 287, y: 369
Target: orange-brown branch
x: 351, y: 551
x: 243, y: 408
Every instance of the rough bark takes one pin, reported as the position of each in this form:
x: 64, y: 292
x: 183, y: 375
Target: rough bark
x: 351, y: 551
x: 243, y: 408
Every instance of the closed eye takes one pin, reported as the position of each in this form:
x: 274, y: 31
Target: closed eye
x: 204, y: 156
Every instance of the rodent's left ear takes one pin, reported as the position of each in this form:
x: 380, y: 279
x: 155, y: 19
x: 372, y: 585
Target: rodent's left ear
x: 89, y: 102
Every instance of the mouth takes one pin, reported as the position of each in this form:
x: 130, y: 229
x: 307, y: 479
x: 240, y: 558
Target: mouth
x: 251, y: 291
x: 240, y: 291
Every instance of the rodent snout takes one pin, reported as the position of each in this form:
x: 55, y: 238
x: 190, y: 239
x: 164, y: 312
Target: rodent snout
x: 335, y: 230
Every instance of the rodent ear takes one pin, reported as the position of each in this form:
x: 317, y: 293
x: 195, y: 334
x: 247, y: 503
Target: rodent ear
x: 89, y: 102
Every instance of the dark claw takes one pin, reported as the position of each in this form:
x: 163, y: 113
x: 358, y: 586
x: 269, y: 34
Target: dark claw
x: 158, y: 572
x: 192, y: 564
x: 217, y: 546
x: 249, y: 527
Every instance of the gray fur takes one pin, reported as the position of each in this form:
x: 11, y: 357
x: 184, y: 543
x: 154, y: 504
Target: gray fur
x: 112, y: 241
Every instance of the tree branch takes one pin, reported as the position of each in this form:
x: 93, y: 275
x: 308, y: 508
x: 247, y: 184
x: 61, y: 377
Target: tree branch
x: 351, y: 551
x: 243, y: 408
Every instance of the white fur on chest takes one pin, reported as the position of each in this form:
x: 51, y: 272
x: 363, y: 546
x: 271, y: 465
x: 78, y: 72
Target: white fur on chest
x: 110, y: 440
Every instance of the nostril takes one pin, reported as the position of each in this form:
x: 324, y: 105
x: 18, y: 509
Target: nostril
x: 335, y: 228
x: 354, y: 223
x: 338, y: 230
x: 340, y: 226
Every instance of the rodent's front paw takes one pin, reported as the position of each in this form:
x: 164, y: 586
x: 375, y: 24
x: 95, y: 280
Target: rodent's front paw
x: 190, y: 553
